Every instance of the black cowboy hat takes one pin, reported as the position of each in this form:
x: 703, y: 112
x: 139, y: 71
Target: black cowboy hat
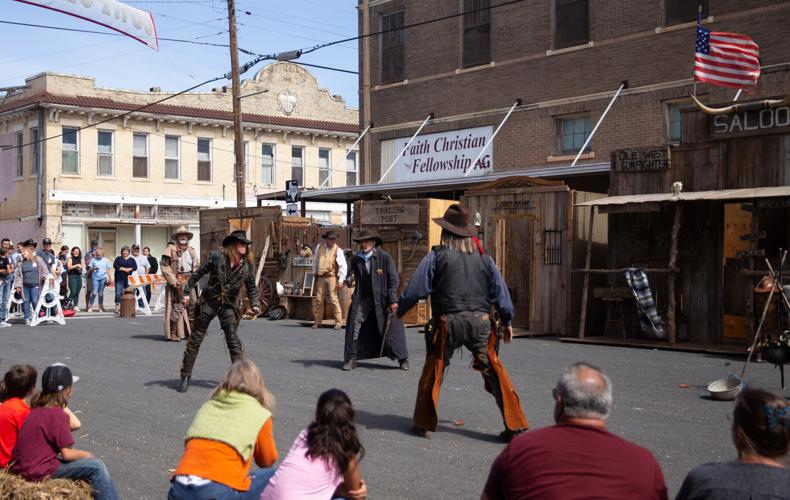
x: 330, y: 234
x: 456, y: 220
x: 236, y: 236
x: 30, y: 243
x: 367, y: 234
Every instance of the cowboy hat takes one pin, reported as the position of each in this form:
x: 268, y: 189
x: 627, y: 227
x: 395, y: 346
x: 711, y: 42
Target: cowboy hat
x: 182, y: 230
x: 367, y: 234
x: 30, y: 243
x: 456, y: 221
x: 330, y: 234
x: 235, y: 236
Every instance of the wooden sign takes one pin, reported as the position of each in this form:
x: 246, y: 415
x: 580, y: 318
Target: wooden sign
x: 754, y: 236
x: 641, y: 159
x: 390, y: 214
x: 750, y: 253
x: 303, y: 262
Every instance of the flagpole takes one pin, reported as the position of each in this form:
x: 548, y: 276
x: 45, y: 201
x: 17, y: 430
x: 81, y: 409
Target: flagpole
x: 696, y: 33
x: 490, y: 140
x: 424, y: 123
x: 623, y: 85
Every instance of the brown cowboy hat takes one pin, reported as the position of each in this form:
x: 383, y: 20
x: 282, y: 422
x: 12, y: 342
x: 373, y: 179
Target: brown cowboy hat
x: 456, y: 221
x: 182, y: 230
x: 235, y: 236
x: 367, y: 234
x: 330, y: 234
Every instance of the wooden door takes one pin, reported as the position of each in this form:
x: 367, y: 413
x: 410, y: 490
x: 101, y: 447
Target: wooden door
x: 737, y: 228
x: 513, y: 253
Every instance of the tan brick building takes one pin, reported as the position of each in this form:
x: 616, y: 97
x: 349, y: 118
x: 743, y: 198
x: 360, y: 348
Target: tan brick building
x: 137, y: 176
x: 563, y: 59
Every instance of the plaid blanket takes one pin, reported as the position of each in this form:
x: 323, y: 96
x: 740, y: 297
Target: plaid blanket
x: 648, y: 316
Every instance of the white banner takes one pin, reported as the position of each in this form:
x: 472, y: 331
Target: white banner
x: 130, y: 21
x: 445, y: 155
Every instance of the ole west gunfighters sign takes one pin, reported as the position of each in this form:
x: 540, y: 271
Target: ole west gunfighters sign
x: 444, y: 155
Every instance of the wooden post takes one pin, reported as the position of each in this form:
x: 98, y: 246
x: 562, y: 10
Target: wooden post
x: 238, y: 170
x: 586, y: 283
x: 673, y: 257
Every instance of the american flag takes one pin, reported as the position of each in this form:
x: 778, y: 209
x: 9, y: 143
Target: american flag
x: 726, y: 59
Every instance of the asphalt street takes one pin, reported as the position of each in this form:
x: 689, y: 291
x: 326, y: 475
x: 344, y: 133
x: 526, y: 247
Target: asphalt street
x: 135, y: 420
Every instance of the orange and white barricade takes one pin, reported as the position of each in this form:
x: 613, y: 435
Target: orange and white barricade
x: 49, y: 302
x: 138, y: 281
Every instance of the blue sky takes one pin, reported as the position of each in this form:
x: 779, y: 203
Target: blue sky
x: 115, y: 61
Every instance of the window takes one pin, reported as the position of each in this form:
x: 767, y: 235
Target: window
x: 140, y: 156
x: 572, y: 132
x: 297, y: 164
x: 267, y: 164
x: 34, y: 151
x: 351, y: 168
x: 323, y: 168
x: 70, y: 150
x: 571, y: 23
x: 204, y: 159
x: 172, y: 157
x: 477, y: 32
x: 20, y: 165
x: 392, y: 48
x: 683, y: 11
x: 104, y: 153
x: 552, y: 246
x: 673, y: 121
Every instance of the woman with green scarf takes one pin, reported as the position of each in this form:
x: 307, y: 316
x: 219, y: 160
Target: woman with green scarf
x: 229, y: 431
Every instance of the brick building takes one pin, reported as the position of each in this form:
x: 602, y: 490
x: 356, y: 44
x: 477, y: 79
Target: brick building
x: 564, y: 59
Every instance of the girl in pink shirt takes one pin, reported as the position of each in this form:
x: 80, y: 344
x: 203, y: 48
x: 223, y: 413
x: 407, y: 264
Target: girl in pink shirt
x: 323, y: 462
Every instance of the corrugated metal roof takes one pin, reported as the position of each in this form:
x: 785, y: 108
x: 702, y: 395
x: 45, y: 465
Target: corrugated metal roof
x: 725, y: 194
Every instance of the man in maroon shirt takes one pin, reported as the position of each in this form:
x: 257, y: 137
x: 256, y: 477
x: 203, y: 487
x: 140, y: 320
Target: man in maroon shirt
x: 577, y: 458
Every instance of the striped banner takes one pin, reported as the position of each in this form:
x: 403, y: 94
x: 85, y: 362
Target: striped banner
x: 146, y: 279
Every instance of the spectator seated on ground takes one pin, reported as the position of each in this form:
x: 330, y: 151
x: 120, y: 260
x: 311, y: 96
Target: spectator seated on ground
x: 46, y: 433
x: 323, y: 462
x: 577, y: 456
x: 18, y: 386
x: 761, y: 433
x: 229, y: 430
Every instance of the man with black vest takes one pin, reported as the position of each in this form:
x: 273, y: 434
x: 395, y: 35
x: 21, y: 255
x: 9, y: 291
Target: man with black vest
x: 463, y: 285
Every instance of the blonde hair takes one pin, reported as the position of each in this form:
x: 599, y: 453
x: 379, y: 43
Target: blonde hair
x: 452, y: 241
x: 231, y: 254
x: 245, y: 377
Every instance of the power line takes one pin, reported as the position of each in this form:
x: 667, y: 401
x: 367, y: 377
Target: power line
x: 339, y: 70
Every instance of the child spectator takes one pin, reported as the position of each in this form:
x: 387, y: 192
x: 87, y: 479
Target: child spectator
x: 323, y: 462
x: 124, y: 265
x: 761, y: 433
x: 98, y: 271
x: 47, y: 433
x: 19, y: 384
x: 229, y: 430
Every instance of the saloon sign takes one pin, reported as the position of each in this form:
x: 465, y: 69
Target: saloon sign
x: 750, y: 121
x: 445, y: 155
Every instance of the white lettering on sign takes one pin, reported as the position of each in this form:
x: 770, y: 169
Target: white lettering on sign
x: 752, y: 120
x: 444, y: 155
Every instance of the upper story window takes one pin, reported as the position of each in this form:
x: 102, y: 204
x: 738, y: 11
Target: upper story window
x: 477, y: 32
x: 351, y: 168
x: 571, y: 23
x: 70, y: 147
x: 672, y: 120
x: 172, y: 157
x: 140, y: 155
x: 20, y: 163
x: 35, y: 145
x: 393, y: 53
x: 683, y: 11
x: 104, y: 153
x: 267, y: 164
x: 297, y: 164
x: 323, y: 168
x: 571, y: 132
x: 204, y: 159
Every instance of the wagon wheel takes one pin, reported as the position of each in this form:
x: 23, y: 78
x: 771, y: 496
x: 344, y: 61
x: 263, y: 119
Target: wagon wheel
x: 265, y: 294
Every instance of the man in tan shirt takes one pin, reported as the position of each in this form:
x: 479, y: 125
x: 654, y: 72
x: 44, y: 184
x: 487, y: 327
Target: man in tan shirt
x: 329, y: 269
x: 179, y: 261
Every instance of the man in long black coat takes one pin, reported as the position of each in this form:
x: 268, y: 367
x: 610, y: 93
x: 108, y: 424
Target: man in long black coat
x: 373, y: 304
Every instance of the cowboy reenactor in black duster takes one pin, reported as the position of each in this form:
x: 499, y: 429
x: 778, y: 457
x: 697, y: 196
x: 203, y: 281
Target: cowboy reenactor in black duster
x: 368, y: 334
x: 464, y: 284
x: 228, y: 271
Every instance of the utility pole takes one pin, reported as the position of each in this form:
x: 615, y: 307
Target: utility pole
x: 241, y: 199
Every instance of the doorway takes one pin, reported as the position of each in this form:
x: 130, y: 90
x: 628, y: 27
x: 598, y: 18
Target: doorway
x: 513, y: 254
x: 106, y: 239
x: 737, y: 242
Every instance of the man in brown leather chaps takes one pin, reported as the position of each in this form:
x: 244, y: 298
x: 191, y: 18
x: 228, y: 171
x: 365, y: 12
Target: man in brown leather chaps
x: 463, y: 285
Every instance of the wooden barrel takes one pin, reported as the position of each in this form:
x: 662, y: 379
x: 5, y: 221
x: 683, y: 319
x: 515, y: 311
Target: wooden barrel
x: 128, y: 304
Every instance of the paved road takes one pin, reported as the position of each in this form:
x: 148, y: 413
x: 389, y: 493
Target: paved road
x: 134, y: 419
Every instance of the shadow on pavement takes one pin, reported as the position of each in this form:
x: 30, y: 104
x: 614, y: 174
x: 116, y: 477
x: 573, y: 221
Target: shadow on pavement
x: 403, y: 425
x: 173, y: 383
x: 160, y: 337
x: 329, y: 363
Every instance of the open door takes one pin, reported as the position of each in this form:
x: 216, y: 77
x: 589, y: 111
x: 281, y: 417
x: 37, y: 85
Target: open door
x: 737, y: 243
x: 512, y: 252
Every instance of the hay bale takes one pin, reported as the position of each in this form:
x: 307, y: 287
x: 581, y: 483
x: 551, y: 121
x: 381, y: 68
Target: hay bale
x: 13, y: 487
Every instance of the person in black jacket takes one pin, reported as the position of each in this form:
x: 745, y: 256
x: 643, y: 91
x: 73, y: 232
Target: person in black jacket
x: 373, y: 306
x: 228, y: 271
x: 153, y: 269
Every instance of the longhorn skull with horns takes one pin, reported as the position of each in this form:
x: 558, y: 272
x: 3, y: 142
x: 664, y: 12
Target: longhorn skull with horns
x: 746, y: 106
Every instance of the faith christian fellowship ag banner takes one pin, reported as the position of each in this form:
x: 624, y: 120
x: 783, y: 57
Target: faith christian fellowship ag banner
x: 445, y: 155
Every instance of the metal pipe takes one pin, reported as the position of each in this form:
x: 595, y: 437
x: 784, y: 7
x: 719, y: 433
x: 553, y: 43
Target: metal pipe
x: 345, y: 157
x: 623, y: 85
x: 425, y: 122
x: 491, y: 139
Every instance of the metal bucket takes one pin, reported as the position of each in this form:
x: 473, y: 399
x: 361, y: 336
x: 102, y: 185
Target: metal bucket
x: 724, y: 389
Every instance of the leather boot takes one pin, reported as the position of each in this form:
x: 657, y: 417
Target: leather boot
x: 350, y: 364
x: 184, y: 385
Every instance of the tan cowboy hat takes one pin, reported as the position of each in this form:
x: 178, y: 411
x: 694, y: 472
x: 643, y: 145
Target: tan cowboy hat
x: 456, y: 220
x: 182, y: 230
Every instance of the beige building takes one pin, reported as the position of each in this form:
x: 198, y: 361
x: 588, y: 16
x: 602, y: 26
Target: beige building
x: 100, y: 173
